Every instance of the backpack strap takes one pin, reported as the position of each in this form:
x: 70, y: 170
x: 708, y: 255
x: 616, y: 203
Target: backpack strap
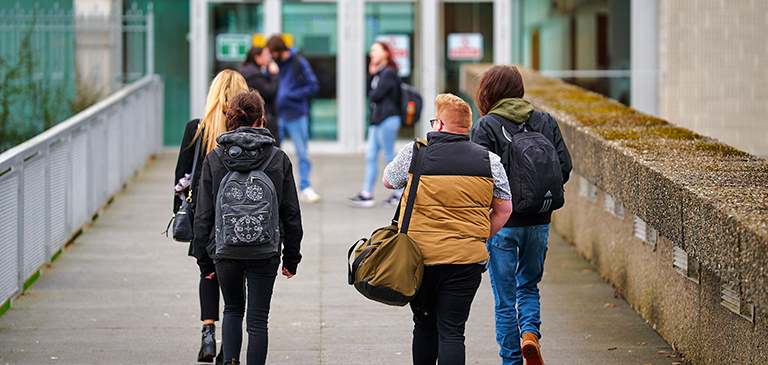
x: 422, y: 147
x: 297, y: 68
x: 264, y: 165
x: 532, y: 124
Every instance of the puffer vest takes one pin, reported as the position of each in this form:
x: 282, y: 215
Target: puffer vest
x: 450, y: 220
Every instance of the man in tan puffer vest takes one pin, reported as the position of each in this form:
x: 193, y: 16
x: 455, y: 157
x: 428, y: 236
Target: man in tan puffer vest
x: 462, y: 199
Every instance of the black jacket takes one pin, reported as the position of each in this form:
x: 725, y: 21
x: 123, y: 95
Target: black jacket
x: 186, y: 159
x: 487, y: 132
x: 266, y: 84
x: 279, y: 170
x: 384, y: 94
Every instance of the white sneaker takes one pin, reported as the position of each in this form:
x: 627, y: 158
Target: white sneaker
x: 308, y: 195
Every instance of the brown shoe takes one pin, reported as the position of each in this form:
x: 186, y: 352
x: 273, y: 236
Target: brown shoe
x: 531, y: 351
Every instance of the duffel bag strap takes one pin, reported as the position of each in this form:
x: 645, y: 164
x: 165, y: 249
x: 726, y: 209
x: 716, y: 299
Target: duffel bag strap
x: 414, y: 187
x: 351, y: 269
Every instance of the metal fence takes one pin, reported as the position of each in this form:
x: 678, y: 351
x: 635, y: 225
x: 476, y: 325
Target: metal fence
x: 53, y: 184
x: 55, y: 62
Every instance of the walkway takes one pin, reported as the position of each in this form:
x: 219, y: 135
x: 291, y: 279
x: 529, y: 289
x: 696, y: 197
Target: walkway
x: 124, y: 294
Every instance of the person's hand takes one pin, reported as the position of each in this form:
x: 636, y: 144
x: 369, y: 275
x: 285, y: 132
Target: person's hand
x: 273, y: 68
x: 287, y: 273
x: 373, y: 68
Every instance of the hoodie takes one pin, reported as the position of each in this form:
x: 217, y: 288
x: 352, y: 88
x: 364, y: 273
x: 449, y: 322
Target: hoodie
x: 256, y: 144
x: 293, y: 96
x: 487, y: 132
x: 513, y: 109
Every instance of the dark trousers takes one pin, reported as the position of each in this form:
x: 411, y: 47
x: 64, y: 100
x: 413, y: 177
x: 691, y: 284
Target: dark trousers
x: 440, y: 311
x: 259, y: 275
x: 208, y: 290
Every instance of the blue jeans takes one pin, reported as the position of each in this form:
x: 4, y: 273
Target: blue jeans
x: 382, y: 138
x: 515, y: 266
x: 298, y: 130
x: 260, y: 278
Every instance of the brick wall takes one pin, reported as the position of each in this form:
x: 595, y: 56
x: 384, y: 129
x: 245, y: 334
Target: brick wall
x: 714, y: 69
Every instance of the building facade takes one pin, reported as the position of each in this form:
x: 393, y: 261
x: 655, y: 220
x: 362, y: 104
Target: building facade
x: 698, y: 64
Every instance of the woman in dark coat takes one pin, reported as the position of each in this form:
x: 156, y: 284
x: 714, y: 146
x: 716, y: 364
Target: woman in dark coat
x: 223, y: 88
x: 245, y: 147
x: 261, y: 74
x: 384, y: 95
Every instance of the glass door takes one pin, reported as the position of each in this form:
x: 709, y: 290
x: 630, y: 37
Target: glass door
x: 231, y: 33
x: 468, y: 38
x: 313, y: 27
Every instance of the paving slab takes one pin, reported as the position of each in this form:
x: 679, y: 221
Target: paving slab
x: 122, y: 293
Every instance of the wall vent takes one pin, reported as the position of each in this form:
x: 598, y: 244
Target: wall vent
x: 613, y: 207
x: 685, y: 264
x: 645, y: 232
x: 587, y: 189
x: 731, y: 300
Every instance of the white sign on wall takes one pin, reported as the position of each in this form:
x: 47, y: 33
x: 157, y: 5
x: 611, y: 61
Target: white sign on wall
x: 465, y: 46
x: 400, y: 45
x: 233, y: 47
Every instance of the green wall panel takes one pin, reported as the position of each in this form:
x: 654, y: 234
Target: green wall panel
x: 172, y: 63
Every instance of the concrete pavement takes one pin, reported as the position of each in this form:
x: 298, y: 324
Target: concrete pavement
x: 124, y: 294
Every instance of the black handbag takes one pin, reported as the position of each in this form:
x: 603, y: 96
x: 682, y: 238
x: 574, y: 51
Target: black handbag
x: 183, y: 220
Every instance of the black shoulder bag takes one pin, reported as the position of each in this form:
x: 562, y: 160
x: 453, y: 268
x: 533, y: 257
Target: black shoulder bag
x: 183, y: 220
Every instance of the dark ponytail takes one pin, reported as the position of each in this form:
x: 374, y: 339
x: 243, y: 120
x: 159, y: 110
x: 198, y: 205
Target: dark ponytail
x: 245, y: 110
x: 250, y: 58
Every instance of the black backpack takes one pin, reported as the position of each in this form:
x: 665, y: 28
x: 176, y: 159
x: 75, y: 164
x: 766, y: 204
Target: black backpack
x: 533, y: 166
x: 410, y: 104
x: 247, y: 218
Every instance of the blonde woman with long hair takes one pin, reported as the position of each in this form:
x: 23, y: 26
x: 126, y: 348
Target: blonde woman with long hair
x: 223, y: 88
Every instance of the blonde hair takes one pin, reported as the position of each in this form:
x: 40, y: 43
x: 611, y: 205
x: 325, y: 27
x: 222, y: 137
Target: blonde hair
x: 454, y: 111
x: 223, y: 88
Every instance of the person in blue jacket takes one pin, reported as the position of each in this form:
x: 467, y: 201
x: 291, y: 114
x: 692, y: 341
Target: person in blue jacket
x: 298, y: 83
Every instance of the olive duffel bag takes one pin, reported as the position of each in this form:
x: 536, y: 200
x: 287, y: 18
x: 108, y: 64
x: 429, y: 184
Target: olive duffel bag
x: 388, y: 266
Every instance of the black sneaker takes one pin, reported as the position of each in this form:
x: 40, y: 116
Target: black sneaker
x: 361, y: 202
x: 391, y: 202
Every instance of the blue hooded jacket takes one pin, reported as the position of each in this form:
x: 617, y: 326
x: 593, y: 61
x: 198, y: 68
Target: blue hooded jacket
x: 292, y: 96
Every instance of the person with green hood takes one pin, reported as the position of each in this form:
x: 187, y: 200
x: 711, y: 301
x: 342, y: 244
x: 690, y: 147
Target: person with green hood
x: 517, y: 251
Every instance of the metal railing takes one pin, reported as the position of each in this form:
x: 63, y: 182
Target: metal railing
x: 53, y: 184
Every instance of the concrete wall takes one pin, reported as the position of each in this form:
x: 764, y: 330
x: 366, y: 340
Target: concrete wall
x: 676, y: 221
x: 713, y: 59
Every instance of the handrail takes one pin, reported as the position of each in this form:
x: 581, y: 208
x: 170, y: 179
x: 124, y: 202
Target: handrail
x: 55, y: 183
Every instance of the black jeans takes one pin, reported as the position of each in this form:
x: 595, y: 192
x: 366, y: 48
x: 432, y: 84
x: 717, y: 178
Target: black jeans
x: 260, y: 278
x: 440, y: 311
x: 208, y: 290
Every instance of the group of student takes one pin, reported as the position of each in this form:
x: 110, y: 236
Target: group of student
x: 463, y: 219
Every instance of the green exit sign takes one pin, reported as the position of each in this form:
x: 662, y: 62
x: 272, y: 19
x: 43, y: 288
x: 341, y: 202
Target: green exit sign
x: 232, y: 47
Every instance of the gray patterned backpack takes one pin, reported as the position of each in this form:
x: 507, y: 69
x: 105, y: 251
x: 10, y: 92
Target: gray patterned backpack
x: 247, y: 219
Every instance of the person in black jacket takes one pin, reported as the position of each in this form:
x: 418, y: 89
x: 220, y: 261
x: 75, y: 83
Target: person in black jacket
x: 384, y: 96
x: 223, y: 88
x: 261, y: 74
x: 239, y: 151
x: 517, y: 252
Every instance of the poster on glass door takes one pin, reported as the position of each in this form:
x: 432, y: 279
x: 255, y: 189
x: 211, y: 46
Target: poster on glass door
x: 465, y: 46
x: 400, y: 45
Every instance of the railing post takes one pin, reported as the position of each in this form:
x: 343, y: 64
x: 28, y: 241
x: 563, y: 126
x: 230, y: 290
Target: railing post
x: 150, y: 39
x: 20, y: 225
x: 47, y: 203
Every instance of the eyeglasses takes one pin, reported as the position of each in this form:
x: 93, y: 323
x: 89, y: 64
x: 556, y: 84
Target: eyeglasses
x: 432, y: 122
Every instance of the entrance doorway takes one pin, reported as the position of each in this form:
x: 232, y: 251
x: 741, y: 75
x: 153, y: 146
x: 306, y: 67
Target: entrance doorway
x: 467, y: 36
